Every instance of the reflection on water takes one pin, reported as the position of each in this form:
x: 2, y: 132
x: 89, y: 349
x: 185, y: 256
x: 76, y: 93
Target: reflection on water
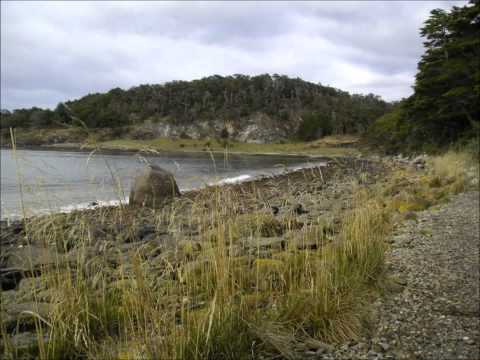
x: 61, y: 180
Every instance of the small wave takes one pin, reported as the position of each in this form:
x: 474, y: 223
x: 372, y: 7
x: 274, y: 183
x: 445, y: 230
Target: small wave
x: 91, y: 205
x: 63, y: 209
x: 100, y: 203
x: 309, y: 166
x: 233, y: 180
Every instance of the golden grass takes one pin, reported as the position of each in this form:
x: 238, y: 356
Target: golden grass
x: 242, y: 289
x: 217, y: 304
x: 191, y: 145
x: 450, y: 165
x: 456, y: 170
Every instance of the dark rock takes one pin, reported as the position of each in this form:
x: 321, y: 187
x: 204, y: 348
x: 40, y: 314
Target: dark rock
x: 10, y: 278
x: 17, y: 227
x: 299, y: 210
x: 11, y: 233
x: 145, y: 230
x: 153, y: 188
x: 275, y: 210
x: 149, y: 237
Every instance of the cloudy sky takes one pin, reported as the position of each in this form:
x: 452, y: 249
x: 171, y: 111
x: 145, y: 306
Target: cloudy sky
x: 54, y: 51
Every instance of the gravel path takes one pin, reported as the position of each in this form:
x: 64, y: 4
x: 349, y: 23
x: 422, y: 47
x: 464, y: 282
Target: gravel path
x: 431, y: 310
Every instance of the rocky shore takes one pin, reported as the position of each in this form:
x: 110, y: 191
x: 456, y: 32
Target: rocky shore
x: 318, y: 191
x: 289, y: 202
x: 433, y: 256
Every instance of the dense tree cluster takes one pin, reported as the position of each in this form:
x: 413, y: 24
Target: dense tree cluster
x: 445, y: 105
x: 233, y: 98
x: 314, y: 126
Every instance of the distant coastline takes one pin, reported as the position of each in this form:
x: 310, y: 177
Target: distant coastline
x: 311, y: 150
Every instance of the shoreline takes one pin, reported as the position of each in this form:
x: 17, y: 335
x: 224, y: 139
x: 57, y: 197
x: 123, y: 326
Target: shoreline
x: 152, y: 152
x: 335, y: 177
x: 263, y: 242
x: 225, y: 182
x: 169, y: 145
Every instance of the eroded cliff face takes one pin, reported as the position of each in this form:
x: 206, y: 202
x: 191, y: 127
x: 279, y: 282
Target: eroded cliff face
x: 259, y: 128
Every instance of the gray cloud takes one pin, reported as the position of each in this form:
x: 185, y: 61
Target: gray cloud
x: 55, y: 51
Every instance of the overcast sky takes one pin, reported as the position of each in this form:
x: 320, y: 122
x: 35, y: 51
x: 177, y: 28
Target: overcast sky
x: 55, y: 51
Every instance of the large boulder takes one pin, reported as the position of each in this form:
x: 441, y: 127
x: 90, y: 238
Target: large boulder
x: 153, y: 188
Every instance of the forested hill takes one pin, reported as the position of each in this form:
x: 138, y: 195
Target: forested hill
x: 308, y: 110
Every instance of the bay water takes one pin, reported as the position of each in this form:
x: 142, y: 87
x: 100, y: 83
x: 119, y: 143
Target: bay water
x: 42, y: 181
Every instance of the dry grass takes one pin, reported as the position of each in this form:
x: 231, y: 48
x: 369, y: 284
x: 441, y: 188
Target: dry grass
x: 455, y: 169
x: 450, y: 165
x: 240, y: 289
x: 190, y: 145
x: 212, y: 300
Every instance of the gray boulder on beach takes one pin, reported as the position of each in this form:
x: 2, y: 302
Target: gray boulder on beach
x: 153, y: 188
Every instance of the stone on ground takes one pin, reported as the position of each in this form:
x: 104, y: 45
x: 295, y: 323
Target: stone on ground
x: 153, y: 188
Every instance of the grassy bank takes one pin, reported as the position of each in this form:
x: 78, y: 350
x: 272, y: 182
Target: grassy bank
x: 119, y: 140
x: 218, y: 275
x: 330, y: 146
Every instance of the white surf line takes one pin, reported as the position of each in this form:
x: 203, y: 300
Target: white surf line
x: 102, y: 203
x: 232, y: 180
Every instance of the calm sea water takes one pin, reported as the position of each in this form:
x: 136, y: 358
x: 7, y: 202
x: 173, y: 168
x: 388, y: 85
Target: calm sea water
x: 53, y: 181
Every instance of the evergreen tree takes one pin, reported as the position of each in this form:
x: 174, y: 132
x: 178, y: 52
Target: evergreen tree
x: 445, y: 102
x: 445, y: 105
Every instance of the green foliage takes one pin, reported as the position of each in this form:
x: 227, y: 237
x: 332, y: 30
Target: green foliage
x: 231, y: 98
x: 391, y: 129
x: 447, y: 83
x: 34, y: 117
x: 313, y: 126
x: 444, y: 107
